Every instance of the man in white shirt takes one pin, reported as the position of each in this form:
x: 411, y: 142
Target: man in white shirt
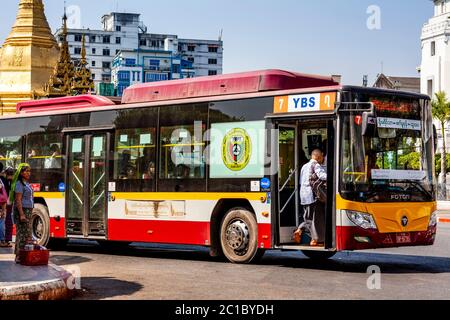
x: 313, y: 210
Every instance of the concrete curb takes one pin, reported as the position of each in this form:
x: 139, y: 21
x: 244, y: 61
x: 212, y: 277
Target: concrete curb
x: 52, y: 289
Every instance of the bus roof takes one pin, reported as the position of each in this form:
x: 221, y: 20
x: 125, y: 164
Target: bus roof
x: 235, y: 83
x: 63, y: 103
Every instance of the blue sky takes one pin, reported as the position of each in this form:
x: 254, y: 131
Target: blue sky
x: 312, y: 36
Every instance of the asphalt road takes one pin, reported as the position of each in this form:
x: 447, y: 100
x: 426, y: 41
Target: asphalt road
x: 152, y: 272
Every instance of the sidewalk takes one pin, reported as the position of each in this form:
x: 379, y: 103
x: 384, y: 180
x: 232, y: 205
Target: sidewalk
x: 19, y: 282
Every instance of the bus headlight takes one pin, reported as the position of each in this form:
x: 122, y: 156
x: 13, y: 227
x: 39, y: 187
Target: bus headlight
x: 433, y: 220
x: 362, y: 220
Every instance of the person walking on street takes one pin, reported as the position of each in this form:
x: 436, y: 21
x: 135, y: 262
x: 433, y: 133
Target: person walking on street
x: 313, y: 210
x: 21, y: 195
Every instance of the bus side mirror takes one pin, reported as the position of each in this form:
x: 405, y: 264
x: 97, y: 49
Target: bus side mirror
x: 369, y: 123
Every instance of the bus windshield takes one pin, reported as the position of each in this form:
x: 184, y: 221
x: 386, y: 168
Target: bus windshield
x: 387, y: 157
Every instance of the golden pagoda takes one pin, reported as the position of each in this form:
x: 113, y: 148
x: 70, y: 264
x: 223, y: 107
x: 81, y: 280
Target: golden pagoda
x: 28, y: 56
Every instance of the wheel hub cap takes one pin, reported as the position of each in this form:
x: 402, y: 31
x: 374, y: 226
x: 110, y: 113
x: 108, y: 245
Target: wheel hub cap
x: 237, y: 235
x: 37, y: 228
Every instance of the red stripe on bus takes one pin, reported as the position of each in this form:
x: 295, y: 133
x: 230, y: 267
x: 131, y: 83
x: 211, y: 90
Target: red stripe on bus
x: 176, y: 232
x: 347, y: 238
x: 173, y: 232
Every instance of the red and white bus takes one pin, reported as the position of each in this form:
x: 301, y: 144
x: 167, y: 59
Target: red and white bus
x: 215, y: 162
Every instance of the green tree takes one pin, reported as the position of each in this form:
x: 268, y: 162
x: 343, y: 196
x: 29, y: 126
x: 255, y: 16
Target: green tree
x: 441, y: 112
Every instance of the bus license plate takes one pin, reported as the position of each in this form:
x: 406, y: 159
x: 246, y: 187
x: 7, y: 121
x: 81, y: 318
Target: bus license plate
x: 404, y: 238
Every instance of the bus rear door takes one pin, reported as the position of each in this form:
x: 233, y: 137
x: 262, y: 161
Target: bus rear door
x: 87, y: 172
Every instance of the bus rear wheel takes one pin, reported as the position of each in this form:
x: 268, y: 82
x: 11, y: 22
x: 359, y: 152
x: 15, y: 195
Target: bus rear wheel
x: 319, y: 255
x: 239, y: 236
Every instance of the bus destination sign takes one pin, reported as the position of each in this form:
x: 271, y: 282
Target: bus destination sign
x: 324, y: 101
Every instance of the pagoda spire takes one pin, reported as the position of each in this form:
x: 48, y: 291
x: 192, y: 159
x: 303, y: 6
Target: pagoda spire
x: 82, y: 81
x: 60, y: 83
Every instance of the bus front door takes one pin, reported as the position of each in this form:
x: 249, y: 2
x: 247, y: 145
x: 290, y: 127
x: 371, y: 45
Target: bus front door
x: 288, y: 189
x: 86, y: 199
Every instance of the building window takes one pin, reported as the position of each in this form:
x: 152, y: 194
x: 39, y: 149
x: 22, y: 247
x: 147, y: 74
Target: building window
x: 430, y: 87
x: 191, y: 59
x: 94, y: 51
x: 124, y: 76
x: 118, y: 28
x: 118, y: 40
x: 212, y: 61
x: 93, y: 76
x: 143, y: 42
x: 78, y: 37
x: 180, y: 47
x: 213, y: 49
x: 106, y: 78
x: 154, y: 44
x: 117, y: 51
x: 154, y: 64
x: 212, y: 72
x: 130, y: 62
x: 106, y: 39
x: 154, y: 77
x: 77, y: 50
x: 433, y: 48
x: 93, y: 63
x: 191, y: 48
x: 106, y: 65
x: 92, y: 38
x: 106, y: 52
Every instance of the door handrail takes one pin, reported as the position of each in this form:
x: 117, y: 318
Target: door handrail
x: 288, y: 179
x: 289, y: 200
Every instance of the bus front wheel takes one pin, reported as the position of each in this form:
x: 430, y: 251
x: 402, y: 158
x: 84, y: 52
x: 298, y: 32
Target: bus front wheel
x: 239, y: 236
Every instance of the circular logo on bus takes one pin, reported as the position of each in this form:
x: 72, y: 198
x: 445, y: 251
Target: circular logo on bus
x: 236, y: 149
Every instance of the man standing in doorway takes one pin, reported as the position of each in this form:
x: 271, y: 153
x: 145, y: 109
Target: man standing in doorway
x: 313, y: 210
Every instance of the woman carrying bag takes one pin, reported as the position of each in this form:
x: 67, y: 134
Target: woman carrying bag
x: 21, y: 195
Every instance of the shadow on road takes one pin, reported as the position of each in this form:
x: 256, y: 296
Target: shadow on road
x: 352, y: 262
x: 106, y: 288
x: 64, y: 260
x: 358, y: 262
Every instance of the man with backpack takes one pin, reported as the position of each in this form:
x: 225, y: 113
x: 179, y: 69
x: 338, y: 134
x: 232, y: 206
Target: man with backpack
x: 313, y: 179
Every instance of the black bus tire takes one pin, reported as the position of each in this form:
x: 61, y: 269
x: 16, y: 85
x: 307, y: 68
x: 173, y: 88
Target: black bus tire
x: 40, y: 224
x: 239, y: 236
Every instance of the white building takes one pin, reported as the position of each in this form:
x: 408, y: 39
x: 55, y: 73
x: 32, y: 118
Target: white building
x: 138, y: 66
x: 435, y: 68
x: 125, y: 32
